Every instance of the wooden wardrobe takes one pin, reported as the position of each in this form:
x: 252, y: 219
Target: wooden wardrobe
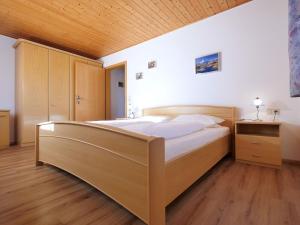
x: 47, y: 88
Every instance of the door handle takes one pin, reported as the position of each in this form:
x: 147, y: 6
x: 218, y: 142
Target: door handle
x: 78, y: 99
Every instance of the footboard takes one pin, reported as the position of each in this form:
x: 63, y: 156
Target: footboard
x: 126, y: 166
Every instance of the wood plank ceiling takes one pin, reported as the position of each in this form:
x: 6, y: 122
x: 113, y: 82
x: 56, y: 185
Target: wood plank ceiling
x: 97, y: 28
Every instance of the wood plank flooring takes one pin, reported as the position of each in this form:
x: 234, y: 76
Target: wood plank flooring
x: 232, y: 193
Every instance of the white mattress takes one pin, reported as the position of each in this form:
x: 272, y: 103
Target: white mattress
x: 180, y: 146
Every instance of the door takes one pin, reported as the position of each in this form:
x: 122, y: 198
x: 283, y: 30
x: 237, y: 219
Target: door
x: 73, y: 60
x: 115, y: 91
x: 89, y: 92
x: 59, y: 86
x: 34, y: 89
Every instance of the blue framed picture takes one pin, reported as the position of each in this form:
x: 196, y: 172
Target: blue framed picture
x: 294, y: 47
x: 208, y: 63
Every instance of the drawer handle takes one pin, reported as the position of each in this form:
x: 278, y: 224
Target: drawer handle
x: 256, y: 156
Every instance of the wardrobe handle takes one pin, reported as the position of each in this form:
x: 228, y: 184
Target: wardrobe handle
x: 78, y: 99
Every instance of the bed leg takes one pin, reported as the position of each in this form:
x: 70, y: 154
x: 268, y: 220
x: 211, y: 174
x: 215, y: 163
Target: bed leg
x: 157, y: 182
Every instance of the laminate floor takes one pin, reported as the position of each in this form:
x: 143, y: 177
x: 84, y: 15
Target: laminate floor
x: 230, y: 194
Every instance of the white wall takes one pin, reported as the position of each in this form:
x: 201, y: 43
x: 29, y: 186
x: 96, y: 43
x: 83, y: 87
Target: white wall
x: 117, y: 97
x: 253, y: 39
x: 7, y: 79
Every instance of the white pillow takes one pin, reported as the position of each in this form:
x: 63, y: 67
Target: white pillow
x: 155, y: 119
x: 205, y: 119
x: 173, y: 129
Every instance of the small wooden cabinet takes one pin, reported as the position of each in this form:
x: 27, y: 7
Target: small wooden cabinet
x: 258, y: 142
x: 4, y: 129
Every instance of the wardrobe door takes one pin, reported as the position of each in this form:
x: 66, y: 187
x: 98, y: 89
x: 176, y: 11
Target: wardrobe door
x: 73, y: 60
x: 90, y: 92
x: 59, y: 86
x: 34, y: 89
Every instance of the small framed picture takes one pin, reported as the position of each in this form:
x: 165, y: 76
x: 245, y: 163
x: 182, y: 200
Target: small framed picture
x: 139, y: 76
x: 151, y: 64
x: 208, y: 63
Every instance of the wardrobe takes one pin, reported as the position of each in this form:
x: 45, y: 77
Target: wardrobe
x: 54, y: 85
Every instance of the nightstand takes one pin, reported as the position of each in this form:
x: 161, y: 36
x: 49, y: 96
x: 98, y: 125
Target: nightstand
x: 4, y: 129
x: 258, y: 142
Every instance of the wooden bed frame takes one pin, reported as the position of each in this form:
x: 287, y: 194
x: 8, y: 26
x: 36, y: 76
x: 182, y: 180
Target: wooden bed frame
x: 129, y: 167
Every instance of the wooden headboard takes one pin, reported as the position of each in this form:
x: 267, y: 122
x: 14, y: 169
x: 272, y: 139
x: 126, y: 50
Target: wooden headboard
x: 226, y: 113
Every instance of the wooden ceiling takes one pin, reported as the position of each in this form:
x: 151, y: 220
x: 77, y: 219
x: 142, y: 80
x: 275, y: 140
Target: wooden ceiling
x: 97, y: 28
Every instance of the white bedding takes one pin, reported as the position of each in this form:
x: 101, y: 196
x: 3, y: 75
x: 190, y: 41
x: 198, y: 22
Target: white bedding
x: 165, y: 129
x: 183, y: 145
x: 180, y: 138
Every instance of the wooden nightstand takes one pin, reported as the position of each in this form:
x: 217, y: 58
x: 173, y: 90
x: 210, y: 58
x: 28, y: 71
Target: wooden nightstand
x: 4, y: 129
x: 258, y: 142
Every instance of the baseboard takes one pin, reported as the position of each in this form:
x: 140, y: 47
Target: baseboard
x: 259, y: 164
x: 290, y: 161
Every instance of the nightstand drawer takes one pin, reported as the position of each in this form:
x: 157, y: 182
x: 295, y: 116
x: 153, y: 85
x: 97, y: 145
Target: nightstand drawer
x: 259, y: 149
x: 259, y: 142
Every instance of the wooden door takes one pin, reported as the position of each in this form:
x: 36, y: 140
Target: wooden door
x: 89, y: 92
x: 73, y: 60
x: 59, y: 86
x: 33, y: 91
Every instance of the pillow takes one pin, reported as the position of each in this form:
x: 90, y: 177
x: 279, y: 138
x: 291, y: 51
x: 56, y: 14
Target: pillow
x: 173, y: 129
x: 205, y: 119
x: 155, y: 119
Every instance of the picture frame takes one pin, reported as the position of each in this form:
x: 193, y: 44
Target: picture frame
x: 208, y: 63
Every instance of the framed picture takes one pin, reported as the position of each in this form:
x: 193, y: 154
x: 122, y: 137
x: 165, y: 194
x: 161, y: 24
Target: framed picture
x: 294, y: 47
x: 208, y: 63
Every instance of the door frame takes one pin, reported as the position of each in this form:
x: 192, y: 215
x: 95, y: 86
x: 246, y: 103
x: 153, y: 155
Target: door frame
x: 107, y: 87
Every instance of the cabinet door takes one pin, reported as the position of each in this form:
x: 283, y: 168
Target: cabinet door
x: 35, y: 89
x: 59, y: 86
x: 90, y: 92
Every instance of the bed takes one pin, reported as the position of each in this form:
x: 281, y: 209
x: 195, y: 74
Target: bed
x: 130, y: 167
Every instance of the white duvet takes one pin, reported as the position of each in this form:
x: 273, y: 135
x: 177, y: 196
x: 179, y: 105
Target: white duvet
x: 165, y: 129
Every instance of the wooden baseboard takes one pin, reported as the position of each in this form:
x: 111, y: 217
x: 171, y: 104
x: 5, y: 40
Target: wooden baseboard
x: 27, y: 144
x: 290, y: 161
x: 2, y: 147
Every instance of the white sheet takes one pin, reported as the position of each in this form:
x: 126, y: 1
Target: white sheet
x: 183, y: 145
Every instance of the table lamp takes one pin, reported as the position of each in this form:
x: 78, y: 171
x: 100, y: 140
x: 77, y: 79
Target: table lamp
x: 257, y: 102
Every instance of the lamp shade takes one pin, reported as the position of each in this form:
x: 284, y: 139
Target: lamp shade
x: 257, y: 101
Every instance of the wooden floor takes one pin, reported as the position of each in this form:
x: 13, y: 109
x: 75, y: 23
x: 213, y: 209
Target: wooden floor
x: 232, y: 193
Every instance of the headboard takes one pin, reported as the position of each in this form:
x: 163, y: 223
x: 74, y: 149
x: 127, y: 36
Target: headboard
x: 226, y: 113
